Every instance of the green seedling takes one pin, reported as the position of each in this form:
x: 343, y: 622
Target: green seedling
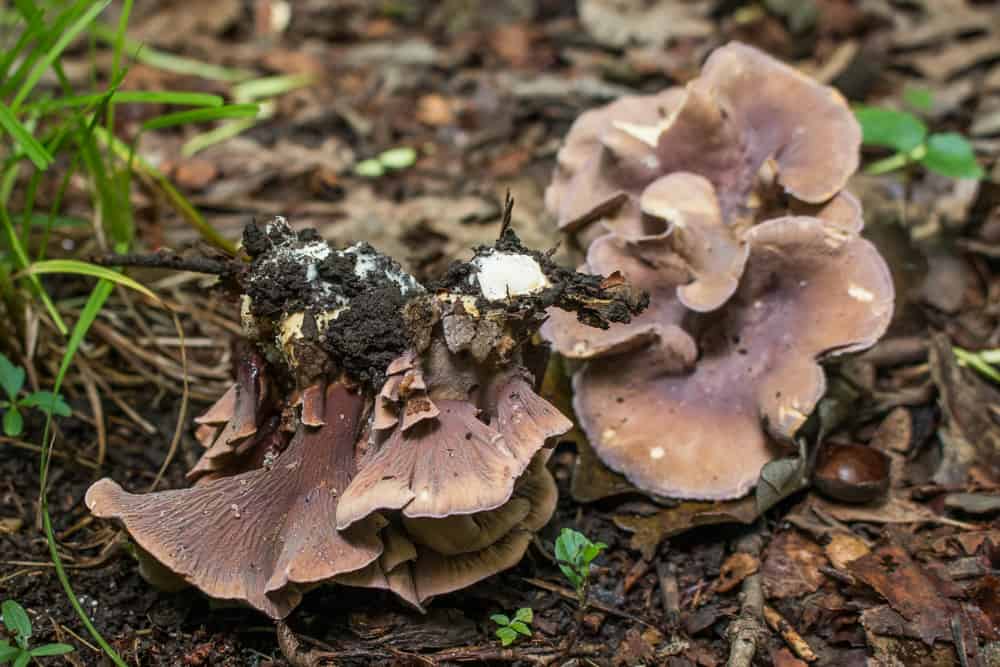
x: 511, y: 629
x: 12, y: 381
x: 947, y: 153
x: 574, y: 553
x: 19, y: 654
x: 394, y: 159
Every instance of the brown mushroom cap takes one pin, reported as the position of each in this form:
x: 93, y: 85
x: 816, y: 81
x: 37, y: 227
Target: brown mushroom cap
x: 530, y: 507
x: 453, y: 552
x: 808, y: 293
x: 650, y: 265
x: 698, y: 234
x: 745, y: 109
x: 454, y: 463
x: 808, y: 128
x: 204, y: 534
x: 579, y: 192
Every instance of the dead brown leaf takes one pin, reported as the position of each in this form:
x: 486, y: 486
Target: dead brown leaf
x: 844, y: 548
x: 734, y: 570
x: 791, y: 566
x: 971, y: 436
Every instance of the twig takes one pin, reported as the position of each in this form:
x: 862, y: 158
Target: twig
x: 571, y: 595
x: 171, y: 261
x: 794, y: 640
x: 669, y: 591
x: 747, y: 629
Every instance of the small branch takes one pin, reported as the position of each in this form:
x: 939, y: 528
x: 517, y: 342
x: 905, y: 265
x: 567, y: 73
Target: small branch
x: 171, y: 261
x: 747, y: 629
x: 571, y: 595
x: 670, y: 593
x: 794, y: 640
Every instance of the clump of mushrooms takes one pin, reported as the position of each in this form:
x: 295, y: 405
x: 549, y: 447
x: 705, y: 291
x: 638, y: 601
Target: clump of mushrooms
x: 379, y: 433
x: 724, y: 200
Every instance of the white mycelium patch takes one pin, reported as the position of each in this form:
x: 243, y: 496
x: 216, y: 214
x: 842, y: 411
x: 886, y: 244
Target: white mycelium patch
x: 500, y: 274
x: 366, y: 261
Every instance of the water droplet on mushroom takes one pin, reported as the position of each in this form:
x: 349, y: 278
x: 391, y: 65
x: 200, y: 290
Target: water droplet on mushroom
x: 236, y: 510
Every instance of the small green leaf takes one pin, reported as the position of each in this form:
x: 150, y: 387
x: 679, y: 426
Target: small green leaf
x: 592, y: 551
x: 521, y: 628
x: 22, y: 660
x: 370, y: 168
x: 892, y: 129
x: 921, y: 99
x: 398, y: 158
x: 47, y: 402
x: 525, y: 614
x: 13, y: 422
x: 51, y: 649
x: 17, y: 622
x: 950, y: 154
x: 571, y: 574
x: 507, y: 636
x: 7, y: 652
x: 11, y: 377
x: 500, y: 619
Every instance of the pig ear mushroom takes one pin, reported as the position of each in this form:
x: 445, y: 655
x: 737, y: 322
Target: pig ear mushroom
x: 698, y: 234
x: 440, y: 570
x: 264, y: 536
x: 454, y: 462
x: 650, y: 265
x: 810, y: 291
x: 581, y: 190
x: 806, y: 127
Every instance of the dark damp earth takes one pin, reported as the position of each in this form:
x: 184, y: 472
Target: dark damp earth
x: 485, y: 93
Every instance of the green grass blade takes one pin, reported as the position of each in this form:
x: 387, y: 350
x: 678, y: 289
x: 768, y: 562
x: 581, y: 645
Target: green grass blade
x: 201, y: 116
x: 87, y: 317
x: 169, y: 62
x: 22, y: 262
x: 179, y: 98
x: 77, y: 267
x: 32, y: 147
x: 269, y: 86
x: 65, y: 39
x: 223, y: 132
x: 183, y: 206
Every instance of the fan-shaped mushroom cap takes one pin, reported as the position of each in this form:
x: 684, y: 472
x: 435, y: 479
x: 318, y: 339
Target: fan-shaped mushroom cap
x: 204, y: 533
x: 530, y: 507
x: 453, y: 552
x: 810, y: 291
x: 807, y: 127
x: 581, y: 191
x: 454, y: 463
x: 240, y: 411
x: 651, y: 266
x: 745, y: 109
x: 697, y: 233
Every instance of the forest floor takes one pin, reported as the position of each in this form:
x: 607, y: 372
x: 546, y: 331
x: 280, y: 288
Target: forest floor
x: 485, y: 92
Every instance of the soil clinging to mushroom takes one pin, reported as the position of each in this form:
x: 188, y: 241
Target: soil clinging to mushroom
x: 379, y: 434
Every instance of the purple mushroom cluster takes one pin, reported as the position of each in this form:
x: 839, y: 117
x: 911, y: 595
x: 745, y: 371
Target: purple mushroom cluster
x: 725, y: 201
x: 379, y: 434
